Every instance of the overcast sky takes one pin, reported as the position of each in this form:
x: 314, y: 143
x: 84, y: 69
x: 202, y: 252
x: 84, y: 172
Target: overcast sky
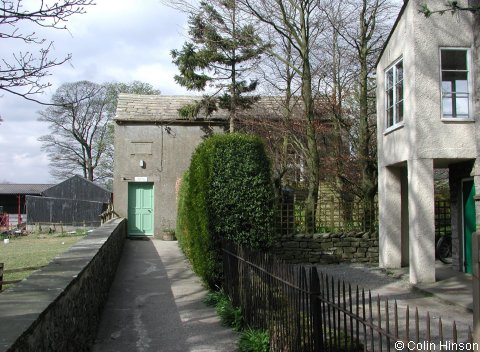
x: 116, y: 40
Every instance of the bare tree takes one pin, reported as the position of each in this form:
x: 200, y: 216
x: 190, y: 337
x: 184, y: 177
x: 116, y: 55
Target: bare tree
x: 363, y: 26
x: 24, y: 71
x: 105, y: 168
x: 78, y: 123
x: 297, y: 22
x: 81, y: 137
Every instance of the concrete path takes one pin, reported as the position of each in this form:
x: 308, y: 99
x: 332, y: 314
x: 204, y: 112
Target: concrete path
x: 449, y: 298
x: 155, y: 304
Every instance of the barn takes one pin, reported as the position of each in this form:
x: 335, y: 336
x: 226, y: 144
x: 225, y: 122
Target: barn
x: 12, y: 201
x: 75, y: 201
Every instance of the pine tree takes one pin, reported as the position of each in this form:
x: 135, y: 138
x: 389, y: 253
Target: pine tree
x: 221, y: 52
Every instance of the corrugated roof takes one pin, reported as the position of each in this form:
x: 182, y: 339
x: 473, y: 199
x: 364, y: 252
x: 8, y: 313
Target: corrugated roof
x: 11, y: 188
x: 133, y: 107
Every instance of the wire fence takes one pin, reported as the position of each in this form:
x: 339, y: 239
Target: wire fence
x: 305, y: 310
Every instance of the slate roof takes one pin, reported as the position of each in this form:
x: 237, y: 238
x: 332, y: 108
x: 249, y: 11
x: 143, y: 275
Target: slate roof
x: 150, y: 108
x: 11, y: 188
x: 133, y: 107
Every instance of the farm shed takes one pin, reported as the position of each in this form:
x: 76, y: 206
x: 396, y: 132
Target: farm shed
x: 75, y: 201
x: 12, y: 199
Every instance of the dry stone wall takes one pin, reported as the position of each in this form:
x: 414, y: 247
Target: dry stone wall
x: 328, y: 248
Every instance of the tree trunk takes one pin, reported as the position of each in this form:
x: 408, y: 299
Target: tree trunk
x: 312, y: 155
x: 367, y: 163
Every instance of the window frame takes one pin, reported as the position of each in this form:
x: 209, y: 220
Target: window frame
x: 471, y: 115
x: 393, y: 67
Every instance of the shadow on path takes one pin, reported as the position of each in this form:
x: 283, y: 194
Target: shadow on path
x: 155, y: 304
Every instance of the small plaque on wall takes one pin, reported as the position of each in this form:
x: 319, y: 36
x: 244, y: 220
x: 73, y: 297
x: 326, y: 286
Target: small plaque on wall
x: 141, y: 179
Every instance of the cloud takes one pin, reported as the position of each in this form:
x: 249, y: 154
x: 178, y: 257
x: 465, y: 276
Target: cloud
x: 116, y: 40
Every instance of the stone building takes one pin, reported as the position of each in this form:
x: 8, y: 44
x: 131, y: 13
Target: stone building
x: 426, y: 120
x: 153, y: 147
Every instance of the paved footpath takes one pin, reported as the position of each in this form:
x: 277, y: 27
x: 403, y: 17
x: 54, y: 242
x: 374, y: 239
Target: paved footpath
x: 156, y: 304
x: 450, y: 298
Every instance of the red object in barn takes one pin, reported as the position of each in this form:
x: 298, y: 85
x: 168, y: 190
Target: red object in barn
x: 4, y: 222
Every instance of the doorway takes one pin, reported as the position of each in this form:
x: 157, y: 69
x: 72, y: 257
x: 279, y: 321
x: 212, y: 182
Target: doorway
x: 469, y: 221
x: 140, y: 209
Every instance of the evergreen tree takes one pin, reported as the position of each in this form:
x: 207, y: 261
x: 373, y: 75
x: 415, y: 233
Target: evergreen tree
x: 222, y: 49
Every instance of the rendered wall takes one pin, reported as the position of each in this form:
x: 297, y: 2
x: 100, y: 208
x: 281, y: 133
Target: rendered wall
x: 166, y: 151
x: 423, y: 141
x: 423, y: 134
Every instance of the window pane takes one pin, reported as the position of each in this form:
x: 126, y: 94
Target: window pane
x: 399, y: 112
x: 399, y: 91
x: 451, y: 76
x: 447, y: 87
x: 454, y: 59
x: 390, y: 98
x: 389, y: 78
x: 461, y: 86
x: 462, y: 106
x: 447, y: 106
x: 390, y: 116
x: 399, y: 68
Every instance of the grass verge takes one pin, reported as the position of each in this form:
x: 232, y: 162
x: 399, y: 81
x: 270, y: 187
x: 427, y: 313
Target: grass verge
x: 32, y: 251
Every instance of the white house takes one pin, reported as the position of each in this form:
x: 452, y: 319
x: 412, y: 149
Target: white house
x: 426, y: 120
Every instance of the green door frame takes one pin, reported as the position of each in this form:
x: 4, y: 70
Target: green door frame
x: 469, y: 221
x: 140, y: 209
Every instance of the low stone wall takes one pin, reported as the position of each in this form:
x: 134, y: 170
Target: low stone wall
x: 328, y: 248
x: 58, y: 307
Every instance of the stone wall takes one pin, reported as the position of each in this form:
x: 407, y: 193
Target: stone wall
x: 58, y: 307
x: 328, y: 248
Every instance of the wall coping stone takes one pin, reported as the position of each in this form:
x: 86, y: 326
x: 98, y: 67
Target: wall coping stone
x: 23, y: 305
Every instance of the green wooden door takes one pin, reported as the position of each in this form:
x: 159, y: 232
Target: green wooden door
x: 140, y: 209
x: 469, y: 222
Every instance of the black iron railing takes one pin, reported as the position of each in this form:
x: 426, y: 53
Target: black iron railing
x: 305, y: 310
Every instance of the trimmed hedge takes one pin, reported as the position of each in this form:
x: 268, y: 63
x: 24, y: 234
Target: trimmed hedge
x: 226, y: 193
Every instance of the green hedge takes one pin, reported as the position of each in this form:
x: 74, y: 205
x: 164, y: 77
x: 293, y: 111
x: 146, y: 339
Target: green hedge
x: 226, y: 193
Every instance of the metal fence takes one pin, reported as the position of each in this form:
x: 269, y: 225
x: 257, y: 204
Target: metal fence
x: 305, y: 310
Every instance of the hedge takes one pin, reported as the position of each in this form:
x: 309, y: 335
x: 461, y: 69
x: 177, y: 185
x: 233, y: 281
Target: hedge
x: 226, y: 193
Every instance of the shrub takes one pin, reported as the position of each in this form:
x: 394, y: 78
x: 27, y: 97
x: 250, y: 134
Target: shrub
x: 241, y: 193
x: 252, y: 340
x: 227, y: 193
x: 230, y: 315
x: 181, y: 230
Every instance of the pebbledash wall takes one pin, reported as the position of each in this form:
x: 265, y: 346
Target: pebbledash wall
x: 328, y: 248
x: 58, y: 307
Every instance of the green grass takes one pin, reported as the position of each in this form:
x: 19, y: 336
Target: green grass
x: 32, y: 251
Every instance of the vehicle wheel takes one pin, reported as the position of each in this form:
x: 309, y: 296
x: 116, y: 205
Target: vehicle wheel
x: 444, y: 249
